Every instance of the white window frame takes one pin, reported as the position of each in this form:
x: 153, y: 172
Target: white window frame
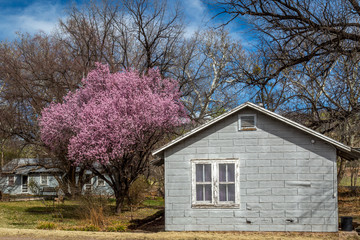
x: 215, y: 202
x: 100, y: 180
x: 247, y: 128
x: 44, y: 176
x: 13, y: 180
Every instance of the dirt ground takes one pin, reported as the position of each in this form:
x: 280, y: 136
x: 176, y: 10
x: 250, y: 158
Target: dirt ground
x: 29, y: 234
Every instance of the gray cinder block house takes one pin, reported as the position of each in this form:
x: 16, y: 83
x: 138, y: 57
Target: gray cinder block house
x: 252, y: 170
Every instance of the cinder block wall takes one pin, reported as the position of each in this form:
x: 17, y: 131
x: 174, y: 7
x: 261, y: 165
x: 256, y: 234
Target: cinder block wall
x: 287, y: 183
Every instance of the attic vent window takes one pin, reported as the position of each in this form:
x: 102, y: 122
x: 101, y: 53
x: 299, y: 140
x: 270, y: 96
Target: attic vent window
x: 247, y: 122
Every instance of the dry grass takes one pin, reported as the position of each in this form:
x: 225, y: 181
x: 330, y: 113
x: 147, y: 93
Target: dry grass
x: 29, y: 215
x: 21, y: 233
x: 349, y: 203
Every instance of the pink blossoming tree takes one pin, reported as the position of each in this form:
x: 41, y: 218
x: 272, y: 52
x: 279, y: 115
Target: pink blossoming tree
x: 112, y: 123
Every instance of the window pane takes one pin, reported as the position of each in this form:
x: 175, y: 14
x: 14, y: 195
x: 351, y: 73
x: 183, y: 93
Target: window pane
x: 199, y: 192
x: 231, y: 172
x: 247, y: 121
x: 199, y: 172
x: 222, y: 172
x: 231, y: 192
x: 207, y: 172
x: 222, y: 196
x: 208, y: 192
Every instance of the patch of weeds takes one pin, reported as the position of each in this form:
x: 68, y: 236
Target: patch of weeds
x: 116, y: 228
x: 46, y: 225
x: 90, y: 228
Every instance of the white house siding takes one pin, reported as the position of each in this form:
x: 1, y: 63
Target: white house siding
x: 287, y: 183
x: 17, y: 187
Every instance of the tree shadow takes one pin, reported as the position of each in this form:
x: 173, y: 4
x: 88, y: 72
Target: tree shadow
x: 153, y: 223
x: 67, y: 211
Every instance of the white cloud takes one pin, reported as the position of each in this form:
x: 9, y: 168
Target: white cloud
x: 33, y: 18
x: 197, y: 16
x: 200, y: 17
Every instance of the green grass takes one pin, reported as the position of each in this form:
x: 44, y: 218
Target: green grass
x: 23, y: 214
x: 157, y: 202
x: 346, y: 181
x: 68, y: 216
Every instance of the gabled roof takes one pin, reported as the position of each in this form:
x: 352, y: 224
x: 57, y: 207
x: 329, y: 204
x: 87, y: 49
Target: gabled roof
x: 343, y: 150
x: 30, y: 165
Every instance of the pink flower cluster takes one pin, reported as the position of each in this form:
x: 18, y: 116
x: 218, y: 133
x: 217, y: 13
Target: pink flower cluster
x: 112, y: 114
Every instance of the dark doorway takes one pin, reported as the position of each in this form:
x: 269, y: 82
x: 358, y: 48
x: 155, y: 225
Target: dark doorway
x: 24, y: 183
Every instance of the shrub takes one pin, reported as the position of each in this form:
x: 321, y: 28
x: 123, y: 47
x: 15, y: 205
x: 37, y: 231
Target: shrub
x: 46, y: 225
x: 138, y: 191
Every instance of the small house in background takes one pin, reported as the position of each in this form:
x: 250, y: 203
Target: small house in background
x: 252, y: 170
x: 28, y: 176
x: 34, y: 176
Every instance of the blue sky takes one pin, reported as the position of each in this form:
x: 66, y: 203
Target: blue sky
x: 42, y: 15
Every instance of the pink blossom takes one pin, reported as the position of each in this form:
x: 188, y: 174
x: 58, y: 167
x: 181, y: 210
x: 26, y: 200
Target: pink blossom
x: 112, y: 114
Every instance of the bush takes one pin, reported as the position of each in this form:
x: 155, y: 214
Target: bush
x: 138, y: 191
x: 46, y: 225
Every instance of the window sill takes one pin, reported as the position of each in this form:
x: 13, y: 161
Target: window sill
x: 230, y: 205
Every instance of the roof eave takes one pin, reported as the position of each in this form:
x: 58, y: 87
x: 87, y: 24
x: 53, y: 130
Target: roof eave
x: 339, y: 146
x: 352, y: 155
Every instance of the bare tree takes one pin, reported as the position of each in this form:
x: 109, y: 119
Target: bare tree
x: 302, y: 30
x: 139, y: 34
x: 35, y: 71
x: 204, y: 69
x: 255, y: 75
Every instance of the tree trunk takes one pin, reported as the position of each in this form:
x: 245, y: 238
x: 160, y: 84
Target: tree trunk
x: 341, y: 170
x: 119, y: 202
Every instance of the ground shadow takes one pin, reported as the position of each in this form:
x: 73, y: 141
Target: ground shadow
x: 153, y: 223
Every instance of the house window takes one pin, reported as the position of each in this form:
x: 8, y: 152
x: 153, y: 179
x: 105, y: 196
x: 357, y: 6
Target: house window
x: 101, y: 182
x: 215, y: 183
x: 43, y: 179
x: 11, y: 180
x: 247, y: 122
